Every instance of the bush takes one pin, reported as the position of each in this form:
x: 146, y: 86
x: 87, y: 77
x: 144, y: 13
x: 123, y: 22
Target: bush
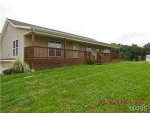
x: 134, y: 60
x: 90, y: 62
x: 20, y: 67
x: 7, y: 71
x: 139, y: 58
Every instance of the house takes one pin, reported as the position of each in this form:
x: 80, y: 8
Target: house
x: 43, y: 47
x: 148, y: 58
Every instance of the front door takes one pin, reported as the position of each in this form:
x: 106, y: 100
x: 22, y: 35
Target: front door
x: 75, y: 53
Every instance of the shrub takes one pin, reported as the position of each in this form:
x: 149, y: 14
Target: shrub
x: 90, y: 61
x: 20, y: 67
x: 139, y: 58
x: 7, y: 71
x: 134, y: 60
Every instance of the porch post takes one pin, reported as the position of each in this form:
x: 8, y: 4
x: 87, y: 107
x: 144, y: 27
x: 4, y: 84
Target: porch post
x: 64, y: 48
x: 100, y: 59
x: 99, y: 49
x: 85, y: 51
x: 119, y: 54
x: 33, y: 41
x: 110, y: 53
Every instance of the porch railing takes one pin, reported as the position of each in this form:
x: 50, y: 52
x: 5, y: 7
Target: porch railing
x: 60, y: 53
x: 99, y: 57
x: 48, y: 52
x: 92, y: 56
x: 108, y: 55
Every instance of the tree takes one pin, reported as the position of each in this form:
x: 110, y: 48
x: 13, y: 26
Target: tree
x: 146, y: 49
x: 133, y: 52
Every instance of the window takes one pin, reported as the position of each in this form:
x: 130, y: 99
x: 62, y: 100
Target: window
x: 97, y: 50
x: 51, y: 44
x: 51, y: 50
x: 15, y: 47
x: 75, y: 53
x: 55, y: 48
x: 106, y: 51
x: 89, y: 49
x: 58, y: 51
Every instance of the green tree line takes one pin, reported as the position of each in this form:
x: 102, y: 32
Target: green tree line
x: 133, y: 52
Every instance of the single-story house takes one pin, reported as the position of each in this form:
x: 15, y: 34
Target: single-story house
x: 43, y: 47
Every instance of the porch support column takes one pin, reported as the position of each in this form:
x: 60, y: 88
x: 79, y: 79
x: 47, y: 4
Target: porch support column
x: 99, y: 49
x: 100, y: 59
x: 119, y: 54
x: 64, y: 48
x: 33, y: 41
x: 110, y: 53
x: 85, y: 51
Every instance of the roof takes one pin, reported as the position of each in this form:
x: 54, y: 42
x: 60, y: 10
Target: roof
x: 52, y: 32
x: 31, y: 26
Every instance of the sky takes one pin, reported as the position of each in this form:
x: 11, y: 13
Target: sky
x: 112, y: 21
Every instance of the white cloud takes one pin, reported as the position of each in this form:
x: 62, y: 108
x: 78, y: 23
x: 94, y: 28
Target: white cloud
x: 142, y: 38
x: 103, y: 20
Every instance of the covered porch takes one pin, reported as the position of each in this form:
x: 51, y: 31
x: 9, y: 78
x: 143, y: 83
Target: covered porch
x: 40, y: 57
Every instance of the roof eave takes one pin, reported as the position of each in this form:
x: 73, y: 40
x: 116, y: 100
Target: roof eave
x: 72, y: 37
x: 22, y: 27
x: 17, y: 26
x: 3, y: 30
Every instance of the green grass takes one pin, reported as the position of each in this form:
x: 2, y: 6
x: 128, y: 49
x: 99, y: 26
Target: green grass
x: 77, y: 89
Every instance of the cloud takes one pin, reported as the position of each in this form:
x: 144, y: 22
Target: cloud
x: 140, y: 38
x: 104, y: 20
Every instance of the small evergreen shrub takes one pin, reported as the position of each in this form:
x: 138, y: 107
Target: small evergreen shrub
x: 90, y: 61
x: 7, y: 71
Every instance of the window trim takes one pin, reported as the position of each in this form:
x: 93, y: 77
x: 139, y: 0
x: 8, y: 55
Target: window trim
x: 15, y: 48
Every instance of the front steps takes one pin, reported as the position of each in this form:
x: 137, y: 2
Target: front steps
x: 98, y: 63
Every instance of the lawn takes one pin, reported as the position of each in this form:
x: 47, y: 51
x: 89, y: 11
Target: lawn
x: 107, y: 88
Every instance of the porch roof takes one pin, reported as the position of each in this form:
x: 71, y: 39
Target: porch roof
x: 72, y: 37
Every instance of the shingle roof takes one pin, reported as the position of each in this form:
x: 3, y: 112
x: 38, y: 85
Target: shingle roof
x: 18, y: 23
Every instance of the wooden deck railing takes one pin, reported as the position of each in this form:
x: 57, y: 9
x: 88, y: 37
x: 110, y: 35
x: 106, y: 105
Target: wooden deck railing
x: 48, y: 52
x: 44, y: 57
x: 38, y: 52
x: 92, y: 56
x: 99, y: 57
x: 108, y: 57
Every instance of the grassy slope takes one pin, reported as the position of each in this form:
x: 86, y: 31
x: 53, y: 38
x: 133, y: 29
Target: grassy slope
x: 77, y: 89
